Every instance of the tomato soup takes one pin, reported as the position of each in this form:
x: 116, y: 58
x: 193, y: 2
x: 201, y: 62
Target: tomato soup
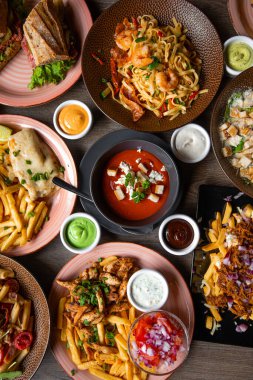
x: 135, y: 184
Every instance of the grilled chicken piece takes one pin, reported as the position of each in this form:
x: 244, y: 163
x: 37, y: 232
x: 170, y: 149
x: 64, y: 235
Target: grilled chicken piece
x: 70, y: 285
x: 122, y: 290
x: 103, y: 349
x: 120, y: 307
x: 109, y: 279
x: 84, y: 275
x: 75, y: 307
x: 91, y: 317
x: 86, y: 333
x: 112, y: 296
x: 101, y: 303
x: 120, y: 265
x: 93, y: 273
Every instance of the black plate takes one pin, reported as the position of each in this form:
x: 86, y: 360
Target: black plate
x: 211, y: 199
x: 86, y: 166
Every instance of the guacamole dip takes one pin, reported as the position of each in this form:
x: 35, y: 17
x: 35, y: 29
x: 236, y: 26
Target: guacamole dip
x: 239, y: 56
x: 81, y: 232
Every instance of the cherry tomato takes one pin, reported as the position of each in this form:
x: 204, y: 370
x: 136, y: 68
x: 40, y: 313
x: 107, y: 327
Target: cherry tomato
x: 13, y: 285
x: 23, y: 340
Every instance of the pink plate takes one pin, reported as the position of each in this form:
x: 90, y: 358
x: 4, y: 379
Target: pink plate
x: 15, y: 77
x: 60, y: 204
x: 179, y: 301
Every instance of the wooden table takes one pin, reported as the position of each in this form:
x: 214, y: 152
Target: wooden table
x: 206, y: 361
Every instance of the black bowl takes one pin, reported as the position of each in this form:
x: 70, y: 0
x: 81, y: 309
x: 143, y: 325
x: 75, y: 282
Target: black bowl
x: 97, y: 175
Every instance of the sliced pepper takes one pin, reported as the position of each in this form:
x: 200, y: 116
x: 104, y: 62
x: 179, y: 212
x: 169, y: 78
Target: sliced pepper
x: 154, y: 64
x: 193, y: 95
x: 97, y: 58
x: 105, y: 93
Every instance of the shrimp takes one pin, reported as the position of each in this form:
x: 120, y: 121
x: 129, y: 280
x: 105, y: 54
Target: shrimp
x: 141, y: 56
x: 124, y: 35
x: 166, y: 80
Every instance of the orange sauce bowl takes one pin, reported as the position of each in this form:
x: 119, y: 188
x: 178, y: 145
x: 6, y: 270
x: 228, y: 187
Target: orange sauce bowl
x: 72, y: 119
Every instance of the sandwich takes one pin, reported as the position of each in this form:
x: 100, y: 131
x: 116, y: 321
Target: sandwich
x: 10, y: 34
x: 46, y: 45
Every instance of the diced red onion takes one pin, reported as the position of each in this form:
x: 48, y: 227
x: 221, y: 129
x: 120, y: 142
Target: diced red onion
x: 150, y: 352
x: 239, y: 283
x: 241, y: 328
x: 226, y: 260
x: 251, y: 265
x: 242, y: 248
x: 232, y: 276
x: 228, y: 198
x: 144, y: 348
x: 166, y: 347
x: 230, y: 302
x: 245, y: 258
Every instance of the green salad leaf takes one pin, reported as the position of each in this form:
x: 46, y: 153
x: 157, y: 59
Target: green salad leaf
x: 51, y: 73
x: 239, y: 147
x: 236, y: 95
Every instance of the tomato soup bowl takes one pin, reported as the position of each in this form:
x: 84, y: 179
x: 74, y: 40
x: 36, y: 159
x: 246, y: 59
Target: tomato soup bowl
x: 130, y: 222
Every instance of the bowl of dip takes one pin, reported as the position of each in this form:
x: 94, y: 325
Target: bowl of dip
x: 72, y: 119
x: 238, y: 54
x: 190, y: 143
x: 147, y: 290
x: 158, y: 342
x: 80, y: 233
x: 179, y: 234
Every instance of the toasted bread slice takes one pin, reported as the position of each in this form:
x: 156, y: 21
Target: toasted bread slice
x: 10, y: 53
x: 3, y: 17
x: 42, y: 52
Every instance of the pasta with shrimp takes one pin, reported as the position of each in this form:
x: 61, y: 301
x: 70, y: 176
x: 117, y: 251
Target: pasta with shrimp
x: 154, y: 67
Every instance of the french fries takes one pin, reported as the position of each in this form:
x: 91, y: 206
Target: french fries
x: 101, y: 346
x: 20, y: 218
x: 236, y: 226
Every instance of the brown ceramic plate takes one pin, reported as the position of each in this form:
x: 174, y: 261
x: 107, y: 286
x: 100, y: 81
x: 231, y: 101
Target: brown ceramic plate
x: 241, y: 15
x: 241, y: 82
x: 30, y: 289
x: 201, y: 32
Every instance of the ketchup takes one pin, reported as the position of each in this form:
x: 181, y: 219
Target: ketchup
x: 179, y: 233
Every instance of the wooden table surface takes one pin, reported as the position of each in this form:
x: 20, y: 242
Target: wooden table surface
x: 206, y: 361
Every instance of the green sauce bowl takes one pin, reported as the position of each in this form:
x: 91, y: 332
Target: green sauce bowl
x: 80, y: 233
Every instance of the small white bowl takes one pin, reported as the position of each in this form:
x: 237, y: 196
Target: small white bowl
x: 196, y: 235
x: 56, y: 123
x: 231, y: 72
x: 180, y: 156
x: 149, y: 272
x: 63, y: 233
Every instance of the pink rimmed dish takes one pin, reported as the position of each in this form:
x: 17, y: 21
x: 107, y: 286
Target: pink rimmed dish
x: 61, y: 204
x: 179, y: 301
x: 15, y: 77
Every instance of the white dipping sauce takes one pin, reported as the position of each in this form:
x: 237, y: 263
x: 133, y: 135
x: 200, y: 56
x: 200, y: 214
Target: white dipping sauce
x: 190, y: 143
x: 148, y: 290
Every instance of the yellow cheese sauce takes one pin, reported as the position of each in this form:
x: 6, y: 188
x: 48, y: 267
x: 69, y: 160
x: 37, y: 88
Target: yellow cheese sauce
x: 73, y: 119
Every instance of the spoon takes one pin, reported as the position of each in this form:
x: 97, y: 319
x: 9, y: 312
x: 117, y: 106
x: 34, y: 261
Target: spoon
x: 66, y: 186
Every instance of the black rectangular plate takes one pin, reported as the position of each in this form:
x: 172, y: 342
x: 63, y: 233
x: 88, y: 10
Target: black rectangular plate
x: 210, y: 200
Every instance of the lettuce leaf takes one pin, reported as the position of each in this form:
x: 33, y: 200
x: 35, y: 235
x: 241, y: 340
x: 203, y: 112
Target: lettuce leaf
x: 52, y: 73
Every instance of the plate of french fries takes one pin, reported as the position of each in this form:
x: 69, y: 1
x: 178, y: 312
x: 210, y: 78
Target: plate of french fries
x: 92, y: 315
x: 223, y: 267
x: 25, y: 321
x: 27, y: 225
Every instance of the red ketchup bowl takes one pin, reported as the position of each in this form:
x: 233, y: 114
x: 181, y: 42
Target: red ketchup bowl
x: 158, y: 342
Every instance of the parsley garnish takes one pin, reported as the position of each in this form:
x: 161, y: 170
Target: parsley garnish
x: 110, y: 336
x: 40, y: 176
x: 94, y: 338
x: 29, y: 171
x: 16, y: 153
x: 28, y: 162
x: 7, y: 181
x: 146, y: 184
x: 100, y: 259
x: 23, y: 181
x: 7, y: 150
x: 73, y: 372
x: 86, y: 322
x: 31, y: 214
x: 239, y: 147
x: 61, y: 169
x: 137, y: 196
x: 129, y: 180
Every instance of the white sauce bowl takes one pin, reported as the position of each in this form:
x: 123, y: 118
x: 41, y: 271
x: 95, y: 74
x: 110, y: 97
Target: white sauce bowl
x: 190, y: 127
x: 231, y: 72
x: 56, y: 118
x: 150, y: 274
x: 196, y: 235
x: 64, y: 239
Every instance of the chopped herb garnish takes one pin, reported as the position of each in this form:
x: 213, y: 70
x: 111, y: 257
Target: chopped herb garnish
x: 129, y: 180
x: 80, y: 343
x: 146, y: 184
x: 100, y: 259
x: 103, y: 80
x: 94, y: 338
x: 239, y: 147
x: 177, y: 101
x: 130, y: 67
x: 110, y: 336
x: 23, y: 181
x: 138, y: 196
x: 67, y: 345
x: 61, y: 169
x: 28, y: 162
x: 40, y: 176
x: 73, y: 372
x: 31, y: 214
x: 29, y: 171
x: 86, y: 322
x: 6, y: 228
x: 7, y: 181
x: 140, y: 39
x: 16, y: 153
x: 7, y: 150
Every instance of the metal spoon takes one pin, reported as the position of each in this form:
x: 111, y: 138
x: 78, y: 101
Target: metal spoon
x: 66, y: 186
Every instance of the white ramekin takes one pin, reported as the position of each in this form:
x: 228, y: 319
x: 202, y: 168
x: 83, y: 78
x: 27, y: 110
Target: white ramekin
x: 231, y: 72
x: 180, y: 156
x: 196, y: 235
x: 150, y: 272
x: 56, y: 123
x: 63, y: 233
